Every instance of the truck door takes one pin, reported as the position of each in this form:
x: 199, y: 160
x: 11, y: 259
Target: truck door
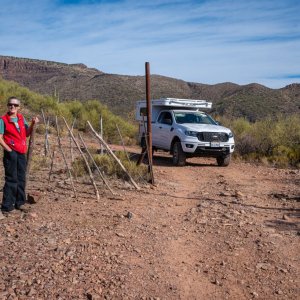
x: 162, y: 134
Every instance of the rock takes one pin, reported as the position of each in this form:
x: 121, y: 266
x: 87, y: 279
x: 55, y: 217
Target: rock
x: 129, y: 215
x: 1, y: 216
x: 279, y: 292
x: 33, y: 215
x: 283, y: 270
x: 31, y: 292
x: 263, y: 266
x: 10, y: 229
x: 89, y: 296
x: 120, y: 234
x: 33, y: 197
x: 193, y: 210
x: 227, y: 216
x: 254, y: 294
x: 238, y: 194
x: 225, y: 194
x: 216, y: 282
x: 286, y: 218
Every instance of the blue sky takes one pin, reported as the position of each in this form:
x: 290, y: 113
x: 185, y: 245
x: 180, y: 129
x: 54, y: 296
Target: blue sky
x: 209, y: 41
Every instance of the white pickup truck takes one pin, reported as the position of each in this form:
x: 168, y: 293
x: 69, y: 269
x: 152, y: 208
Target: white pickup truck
x: 180, y: 127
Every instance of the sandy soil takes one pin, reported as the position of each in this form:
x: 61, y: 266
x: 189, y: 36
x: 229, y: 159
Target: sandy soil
x: 203, y: 232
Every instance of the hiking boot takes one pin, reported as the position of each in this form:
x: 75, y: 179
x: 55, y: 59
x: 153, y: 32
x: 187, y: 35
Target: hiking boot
x: 7, y: 213
x: 24, y: 208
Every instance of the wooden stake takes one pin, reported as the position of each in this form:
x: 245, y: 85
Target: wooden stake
x: 101, y: 133
x: 85, y: 160
x: 46, y: 144
x: 64, y: 157
x: 122, y: 141
x: 113, y: 155
x: 71, y: 146
x: 51, y: 165
x: 92, y: 159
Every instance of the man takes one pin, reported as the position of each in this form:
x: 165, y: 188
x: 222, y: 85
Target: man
x: 13, y: 133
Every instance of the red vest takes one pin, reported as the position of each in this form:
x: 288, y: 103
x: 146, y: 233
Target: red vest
x: 13, y: 138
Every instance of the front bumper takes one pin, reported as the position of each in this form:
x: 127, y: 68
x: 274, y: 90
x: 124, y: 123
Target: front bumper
x: 207, y: 149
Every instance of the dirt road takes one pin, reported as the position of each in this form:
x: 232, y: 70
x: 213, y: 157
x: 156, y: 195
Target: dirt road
x: 203, y: 232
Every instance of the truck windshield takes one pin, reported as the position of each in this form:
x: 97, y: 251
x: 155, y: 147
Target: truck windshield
x: 193, y: 118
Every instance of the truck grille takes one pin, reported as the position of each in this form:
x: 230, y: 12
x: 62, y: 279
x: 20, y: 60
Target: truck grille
x: 213, y: 137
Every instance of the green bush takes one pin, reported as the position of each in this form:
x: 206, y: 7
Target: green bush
x: 78, y: 167
x: 274, y: 140
x: 111, y: 167
x: 83, y: 112
x: 38, y: 162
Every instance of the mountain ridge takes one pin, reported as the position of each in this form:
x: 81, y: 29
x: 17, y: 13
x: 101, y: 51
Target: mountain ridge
x: 120, y: 92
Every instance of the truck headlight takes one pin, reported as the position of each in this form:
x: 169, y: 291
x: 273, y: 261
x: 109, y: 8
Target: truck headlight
x: 191, y: 133
x: 230, y: 134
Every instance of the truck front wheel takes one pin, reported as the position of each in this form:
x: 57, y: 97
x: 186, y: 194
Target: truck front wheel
x: 179, y: 157
x: 223, y: 161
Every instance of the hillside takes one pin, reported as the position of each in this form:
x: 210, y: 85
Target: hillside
x: 120, y: 92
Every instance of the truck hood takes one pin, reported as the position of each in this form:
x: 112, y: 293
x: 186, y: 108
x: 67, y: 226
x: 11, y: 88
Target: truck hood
x: 205, y: 128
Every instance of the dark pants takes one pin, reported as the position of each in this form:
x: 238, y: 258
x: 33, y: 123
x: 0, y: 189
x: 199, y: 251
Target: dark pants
x: 15, y: 175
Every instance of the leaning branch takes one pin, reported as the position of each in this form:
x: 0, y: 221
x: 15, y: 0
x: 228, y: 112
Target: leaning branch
x: 113, y: 155
x: 85, y: 160
x: 92, y: 159
x: 64, y: 157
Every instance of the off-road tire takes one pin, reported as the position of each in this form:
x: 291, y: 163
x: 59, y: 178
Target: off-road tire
x: 179, y: 157
x: 223, y: 161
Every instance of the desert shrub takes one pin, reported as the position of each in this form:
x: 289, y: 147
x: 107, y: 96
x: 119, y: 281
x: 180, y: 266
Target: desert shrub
x: 273, y: 140
x: 112, y: 168
x: 105, y: 163
x: 38, y: 162
x: 41, y: 129
x: 78, y: 167
x: 83, y: 112
x: 91, y: 111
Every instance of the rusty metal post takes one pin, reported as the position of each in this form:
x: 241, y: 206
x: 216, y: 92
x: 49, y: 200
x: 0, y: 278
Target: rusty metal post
x: 149, y: 119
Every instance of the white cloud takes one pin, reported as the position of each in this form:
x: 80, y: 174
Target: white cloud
x: 199, y: 41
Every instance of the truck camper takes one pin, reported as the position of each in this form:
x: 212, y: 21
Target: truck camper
x: 181, y: 127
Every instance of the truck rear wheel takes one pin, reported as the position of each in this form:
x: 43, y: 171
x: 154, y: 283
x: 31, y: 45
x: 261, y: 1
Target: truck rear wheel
x: 223, y: 161
x: 179, y: 157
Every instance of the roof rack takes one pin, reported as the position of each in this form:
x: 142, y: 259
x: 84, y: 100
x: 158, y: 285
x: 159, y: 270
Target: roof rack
x: 183, y: 103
